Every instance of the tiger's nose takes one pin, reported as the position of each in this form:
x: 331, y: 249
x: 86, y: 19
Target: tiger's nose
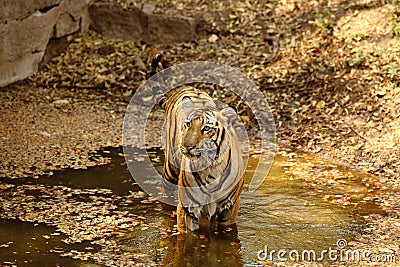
x: 188, y: 146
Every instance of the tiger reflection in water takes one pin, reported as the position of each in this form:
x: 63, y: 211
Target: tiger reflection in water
x: 203, y: 157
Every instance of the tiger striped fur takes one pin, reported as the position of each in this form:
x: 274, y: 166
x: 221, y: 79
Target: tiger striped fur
x: 203, y: 157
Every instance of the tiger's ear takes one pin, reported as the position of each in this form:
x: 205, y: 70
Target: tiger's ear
x: 187, y: 105
x: 158, y: 97
x: 230, y: 115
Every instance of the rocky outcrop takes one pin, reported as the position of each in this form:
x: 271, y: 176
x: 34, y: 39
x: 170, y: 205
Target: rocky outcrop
x: 137, y: 24
x: 34, y: 31
x: 27, y: 26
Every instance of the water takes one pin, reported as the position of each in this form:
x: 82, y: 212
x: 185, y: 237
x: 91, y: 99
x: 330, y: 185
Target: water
x: 285, y: 213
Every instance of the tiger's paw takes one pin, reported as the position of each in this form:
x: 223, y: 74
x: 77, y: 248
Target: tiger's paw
x: 186, y: 222
x: 192, y: 224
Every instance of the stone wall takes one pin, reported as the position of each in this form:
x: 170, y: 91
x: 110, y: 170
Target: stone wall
x: 26, y: 28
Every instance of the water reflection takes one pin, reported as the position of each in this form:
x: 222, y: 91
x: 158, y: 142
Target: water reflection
x: 221, y: 248
x: 283, y: 214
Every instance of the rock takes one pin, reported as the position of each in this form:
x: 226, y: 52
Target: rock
x: 69, y: 21
x: 148, y: 8
x: 23, y: 45
x: 65, y: 25
x: 136, y: 24
x: 213, y: 38
x: 113, y: 21
x: 60, y: 102
x: 19, y: 69
x: 21, y: 9
x: 167, y: 30
x: 26, y: 28
x: 44, y: 133
x: 75, y: 8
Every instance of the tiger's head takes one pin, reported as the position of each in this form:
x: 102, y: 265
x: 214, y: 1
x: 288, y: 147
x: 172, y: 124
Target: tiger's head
x: 204, y: 130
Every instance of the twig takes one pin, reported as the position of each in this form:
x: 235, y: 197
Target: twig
x: 363, y: 137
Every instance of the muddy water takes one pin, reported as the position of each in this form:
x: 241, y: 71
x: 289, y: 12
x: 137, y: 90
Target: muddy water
x: 283, y: 214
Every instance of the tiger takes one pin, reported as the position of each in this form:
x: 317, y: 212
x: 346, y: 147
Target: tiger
x: 203, y: 158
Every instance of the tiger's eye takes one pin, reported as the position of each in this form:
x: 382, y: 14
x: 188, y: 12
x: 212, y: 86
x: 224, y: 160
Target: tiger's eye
x: 206, y: 129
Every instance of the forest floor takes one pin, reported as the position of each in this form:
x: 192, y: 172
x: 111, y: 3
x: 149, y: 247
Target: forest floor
x: 330, y: 71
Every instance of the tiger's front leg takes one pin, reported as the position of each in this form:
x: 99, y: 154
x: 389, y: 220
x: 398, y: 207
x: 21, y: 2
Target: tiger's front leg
x: 228, y: 216
x: 185, y: 221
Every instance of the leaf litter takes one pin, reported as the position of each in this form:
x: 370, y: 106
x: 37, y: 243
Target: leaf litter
x: 84, y: 216
x: 330, y: 71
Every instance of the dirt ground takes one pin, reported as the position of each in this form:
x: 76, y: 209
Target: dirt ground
x: 330, y: 71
